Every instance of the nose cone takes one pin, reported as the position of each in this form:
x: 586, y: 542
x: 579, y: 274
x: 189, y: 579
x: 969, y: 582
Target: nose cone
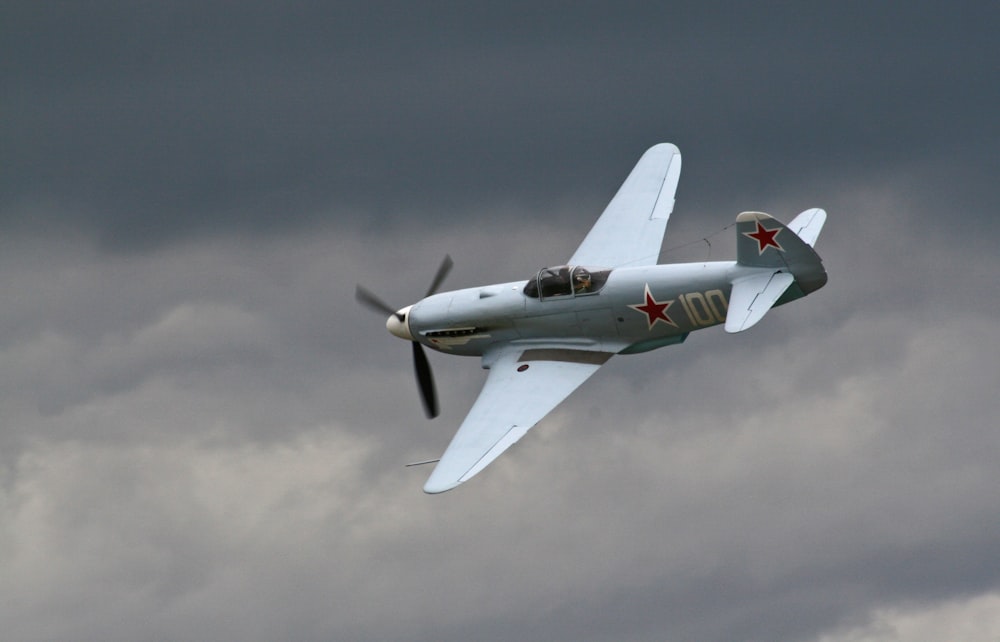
x: 399, y: 328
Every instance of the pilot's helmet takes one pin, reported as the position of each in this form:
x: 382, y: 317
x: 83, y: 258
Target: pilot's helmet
x: 582, y: 276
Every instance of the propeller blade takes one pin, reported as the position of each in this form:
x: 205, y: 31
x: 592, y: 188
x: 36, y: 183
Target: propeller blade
x: 421, y: 367
x: 441, y: 274
x: 425, y: 380
x: 370, y: 300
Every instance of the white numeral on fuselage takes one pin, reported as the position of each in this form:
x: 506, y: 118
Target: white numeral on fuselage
x: 705, y: 309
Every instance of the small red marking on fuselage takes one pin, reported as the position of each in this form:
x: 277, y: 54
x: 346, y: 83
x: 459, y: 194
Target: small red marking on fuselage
x: 654, y: 310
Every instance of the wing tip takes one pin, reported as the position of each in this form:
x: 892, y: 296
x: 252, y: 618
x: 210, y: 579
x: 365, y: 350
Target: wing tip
x: 665, y: 147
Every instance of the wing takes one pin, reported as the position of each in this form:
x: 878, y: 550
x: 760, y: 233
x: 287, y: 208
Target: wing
x: 523, y: 386
x: 630, y: 231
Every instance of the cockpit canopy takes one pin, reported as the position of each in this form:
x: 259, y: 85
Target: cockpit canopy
x: 566, y: 280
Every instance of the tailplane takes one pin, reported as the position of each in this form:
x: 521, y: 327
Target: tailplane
x: 808, y: 225
x: 789, y: 266
x: 752, y: 296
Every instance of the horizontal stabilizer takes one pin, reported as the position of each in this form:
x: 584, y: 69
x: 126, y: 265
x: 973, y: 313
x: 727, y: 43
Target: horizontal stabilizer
x: 765, y: 242
x: 808, y: 225
x: 753, y: 296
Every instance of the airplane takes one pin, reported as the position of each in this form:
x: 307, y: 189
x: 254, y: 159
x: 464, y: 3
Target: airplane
x: 542, y: 338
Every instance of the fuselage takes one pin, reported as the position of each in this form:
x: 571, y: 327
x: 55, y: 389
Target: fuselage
x: 633, y: 310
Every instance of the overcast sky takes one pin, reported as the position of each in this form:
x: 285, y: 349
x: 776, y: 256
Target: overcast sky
x: 202, y: 435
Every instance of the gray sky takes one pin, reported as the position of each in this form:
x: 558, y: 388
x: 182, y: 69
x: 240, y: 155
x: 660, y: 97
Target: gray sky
x: 202, y: 435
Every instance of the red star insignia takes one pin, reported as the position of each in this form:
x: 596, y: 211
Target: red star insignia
x: 654, y: 310
x: 764, y: 238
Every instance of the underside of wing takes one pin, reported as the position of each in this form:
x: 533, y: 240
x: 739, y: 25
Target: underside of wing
x: 630, y: 231
x: 524, y: 385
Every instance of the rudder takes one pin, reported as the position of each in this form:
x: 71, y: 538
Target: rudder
x: 764, y: 241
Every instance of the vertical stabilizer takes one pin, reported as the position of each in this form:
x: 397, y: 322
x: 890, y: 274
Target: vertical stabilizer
x: 788, y: 266
x: 764, y: 241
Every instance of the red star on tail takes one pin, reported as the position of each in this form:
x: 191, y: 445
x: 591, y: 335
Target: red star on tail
x: 654, y: 310
x: 764, y: 238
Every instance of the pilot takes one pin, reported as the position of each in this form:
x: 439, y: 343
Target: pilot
x: 581, y: 281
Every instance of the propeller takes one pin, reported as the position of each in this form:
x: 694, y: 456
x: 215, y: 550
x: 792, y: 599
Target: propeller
x: 425, y: 381
x: 421, y: 366
x: 442, y: 272
x: 365, y: 297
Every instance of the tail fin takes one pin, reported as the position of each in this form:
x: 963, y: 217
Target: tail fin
x: 791, y: 267
x: 763, y: 241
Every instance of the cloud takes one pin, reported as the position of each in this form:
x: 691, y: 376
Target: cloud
x: 244, y: 476
x: 964, y: 619
x: 169, y: 122
x: 148, y: 537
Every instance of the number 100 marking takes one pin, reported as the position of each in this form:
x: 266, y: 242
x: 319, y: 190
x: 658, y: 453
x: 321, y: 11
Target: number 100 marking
x: 705, y: 309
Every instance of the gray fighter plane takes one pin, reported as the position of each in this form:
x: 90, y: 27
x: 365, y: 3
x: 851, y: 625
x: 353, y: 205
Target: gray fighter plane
x: 542, y: 338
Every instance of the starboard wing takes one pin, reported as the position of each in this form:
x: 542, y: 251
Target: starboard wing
x: 524, y: 385
x: 630, y: 231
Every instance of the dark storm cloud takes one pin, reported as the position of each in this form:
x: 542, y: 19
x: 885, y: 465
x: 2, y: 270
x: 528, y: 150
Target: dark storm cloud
x: 148, y: 122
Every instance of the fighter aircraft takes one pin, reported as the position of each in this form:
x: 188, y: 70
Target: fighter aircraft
x: 542, y: 338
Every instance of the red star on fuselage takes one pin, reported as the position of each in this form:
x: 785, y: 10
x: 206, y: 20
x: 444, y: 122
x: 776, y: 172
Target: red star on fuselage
x: 764, y: 238
x: 654, y: 310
